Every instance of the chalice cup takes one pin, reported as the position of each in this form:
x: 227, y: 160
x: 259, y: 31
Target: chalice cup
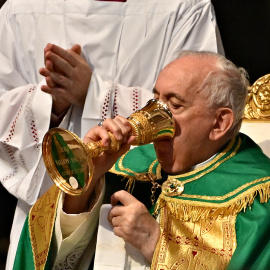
x: 68, y: 159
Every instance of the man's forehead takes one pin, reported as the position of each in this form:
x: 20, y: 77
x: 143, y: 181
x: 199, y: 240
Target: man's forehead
x: 198, y: 64
x: 188, y: 71
x: 178, y: 81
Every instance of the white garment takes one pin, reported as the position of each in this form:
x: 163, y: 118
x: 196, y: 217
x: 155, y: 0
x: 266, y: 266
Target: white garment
x: 112, y: 252
x: 75, y: 235
x: 76, y: 240
x: 126, y: 45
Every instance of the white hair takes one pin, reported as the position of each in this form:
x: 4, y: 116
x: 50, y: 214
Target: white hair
x: 225, y: 86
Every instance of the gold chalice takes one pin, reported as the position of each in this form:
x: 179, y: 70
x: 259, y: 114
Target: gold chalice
x: 69, y: 160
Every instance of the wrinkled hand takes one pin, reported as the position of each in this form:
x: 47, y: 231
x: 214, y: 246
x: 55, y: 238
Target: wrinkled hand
x: 67, y: 76
x: 120, y: 128
x: 134, y: 223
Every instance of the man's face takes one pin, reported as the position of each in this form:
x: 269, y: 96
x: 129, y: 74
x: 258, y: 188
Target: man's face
x: 178, y: 86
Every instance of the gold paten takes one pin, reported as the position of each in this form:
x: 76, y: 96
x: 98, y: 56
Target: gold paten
x: 206, y: 244
x: 69, y: 161
x: 258, y: 101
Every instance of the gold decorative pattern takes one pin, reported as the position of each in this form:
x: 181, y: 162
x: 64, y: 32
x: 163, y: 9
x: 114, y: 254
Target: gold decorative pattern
x: 172, y: 187
x: 230, y: 194
x: 258, y: 101
x: 190, y: 210
x: 41, y: 220
x: 206, y: 244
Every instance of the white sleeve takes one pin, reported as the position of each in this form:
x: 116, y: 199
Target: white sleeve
x: 25, y: 113
x: 13, y: 72
x: 107, y: 99
x: 75, y: 234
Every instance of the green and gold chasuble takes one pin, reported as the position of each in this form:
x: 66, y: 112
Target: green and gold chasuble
x: 221, y: 220
x: 34, y: 245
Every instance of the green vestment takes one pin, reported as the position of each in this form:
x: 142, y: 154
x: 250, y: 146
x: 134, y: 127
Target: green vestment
x: 220, y: 221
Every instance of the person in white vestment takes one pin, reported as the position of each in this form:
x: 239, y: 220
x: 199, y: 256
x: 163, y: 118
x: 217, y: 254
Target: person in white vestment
x: 125, y: 46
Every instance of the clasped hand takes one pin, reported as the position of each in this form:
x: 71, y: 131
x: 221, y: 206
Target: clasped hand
x: 67, y: 76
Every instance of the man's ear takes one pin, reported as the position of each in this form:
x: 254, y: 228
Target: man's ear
x: 223, y: 121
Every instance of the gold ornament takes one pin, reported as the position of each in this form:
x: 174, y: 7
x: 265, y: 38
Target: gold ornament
x: 69, y: 161
x: 258, y: 101
x: 172, y: 187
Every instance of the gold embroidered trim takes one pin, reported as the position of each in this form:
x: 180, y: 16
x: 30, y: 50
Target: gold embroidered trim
x: 230, y: 194
x: 209, y: 164
x: 220, y: 155
x: 137, y: 175
x: 207, y: 244
x: 41, y: 223
x: 186, y: 210
x: 158, y: 169
x: 141, y: 176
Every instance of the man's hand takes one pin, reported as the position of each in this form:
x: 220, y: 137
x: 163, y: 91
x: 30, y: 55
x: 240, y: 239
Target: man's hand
x: 120, y: 128
x: 134, y: 224
x: 67, y: 76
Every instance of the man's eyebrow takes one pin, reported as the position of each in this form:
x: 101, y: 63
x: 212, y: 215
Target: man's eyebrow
x: 175, y: 95
x: 170, y: 95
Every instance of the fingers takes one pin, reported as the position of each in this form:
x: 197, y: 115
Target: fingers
x: 96, y: 134
x: 49, y: 65
x: 46, y: 49
x: 119, y: 127
x: 54, y: 78
x: 116, y: 221
x: 59, y: 63
x: 67, y: 55
x: 127, y: 211
x: 77, y: 49
x: 124, y: 197
x: 50, y: 82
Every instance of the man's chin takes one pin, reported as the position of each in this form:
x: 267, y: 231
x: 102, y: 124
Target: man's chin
x: 164, y: 154
x: 165, y: 162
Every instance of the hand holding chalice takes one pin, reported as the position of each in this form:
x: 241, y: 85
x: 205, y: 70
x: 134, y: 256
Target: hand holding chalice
x: 69, y: 160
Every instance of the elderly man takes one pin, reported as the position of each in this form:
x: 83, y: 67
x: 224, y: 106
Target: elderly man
x: 213, y: 211
x: 114, y: 39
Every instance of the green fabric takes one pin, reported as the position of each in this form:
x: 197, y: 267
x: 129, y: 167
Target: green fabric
x: 247, y: 165
x: 138, y: 160
x: 24, y: 256
x: 24, y: 259
x: 253, y: 238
